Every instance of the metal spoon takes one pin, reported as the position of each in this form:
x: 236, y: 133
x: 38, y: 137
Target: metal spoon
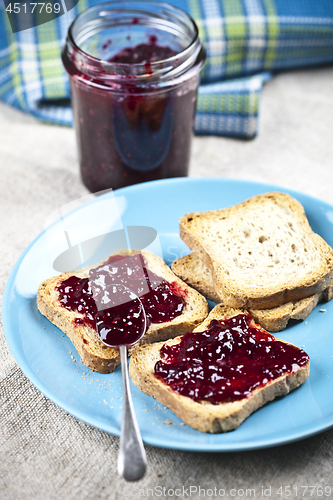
x: 132, y: 462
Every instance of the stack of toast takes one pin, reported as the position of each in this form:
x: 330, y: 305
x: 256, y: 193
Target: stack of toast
x: 260, y: 255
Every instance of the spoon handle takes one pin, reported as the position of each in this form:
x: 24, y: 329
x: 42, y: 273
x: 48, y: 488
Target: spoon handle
x: 132, y: 460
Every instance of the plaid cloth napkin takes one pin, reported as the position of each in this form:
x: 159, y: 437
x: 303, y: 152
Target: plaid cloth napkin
x: 245, y: 40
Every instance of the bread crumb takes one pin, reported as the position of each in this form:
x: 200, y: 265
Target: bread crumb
x: 322, y: 310
x: 167, y: 422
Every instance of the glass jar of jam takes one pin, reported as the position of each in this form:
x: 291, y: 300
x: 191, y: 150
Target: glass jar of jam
x: 134, y: 72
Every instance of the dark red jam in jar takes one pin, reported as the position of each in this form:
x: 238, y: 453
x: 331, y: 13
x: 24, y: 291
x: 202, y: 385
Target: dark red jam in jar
x: 227, y: 361
x: 105, y: 298
x: 134, y: 72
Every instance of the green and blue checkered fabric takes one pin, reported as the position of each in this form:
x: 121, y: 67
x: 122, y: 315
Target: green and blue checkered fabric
x: 246, y: 42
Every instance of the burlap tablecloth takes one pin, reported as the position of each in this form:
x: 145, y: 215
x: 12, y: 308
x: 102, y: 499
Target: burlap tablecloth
x: 47, y: 454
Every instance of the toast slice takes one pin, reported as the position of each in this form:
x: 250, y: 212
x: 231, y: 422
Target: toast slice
x: 193, y: 271
x: 204, y: 415
x: 262, y: 253
x: 96, y: 355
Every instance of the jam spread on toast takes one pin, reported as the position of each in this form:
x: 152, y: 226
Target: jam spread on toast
x: 226, y: 362
x: 104, y: 297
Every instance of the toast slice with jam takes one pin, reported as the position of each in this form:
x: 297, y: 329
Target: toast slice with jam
x: 214, y: 377
x: 172, y: 307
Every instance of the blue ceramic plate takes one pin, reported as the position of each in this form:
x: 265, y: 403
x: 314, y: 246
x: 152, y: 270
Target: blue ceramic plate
x: 49, y: 360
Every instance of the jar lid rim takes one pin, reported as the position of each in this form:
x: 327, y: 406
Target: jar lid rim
x: 70, y: 36
x: 77, y: 61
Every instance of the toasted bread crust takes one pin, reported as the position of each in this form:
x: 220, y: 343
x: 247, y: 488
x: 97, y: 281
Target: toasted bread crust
x: 193, y: 271
x: 262, y: 253
x: 94, y: 354
x: 205, y: 416
x: 196, y: 274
